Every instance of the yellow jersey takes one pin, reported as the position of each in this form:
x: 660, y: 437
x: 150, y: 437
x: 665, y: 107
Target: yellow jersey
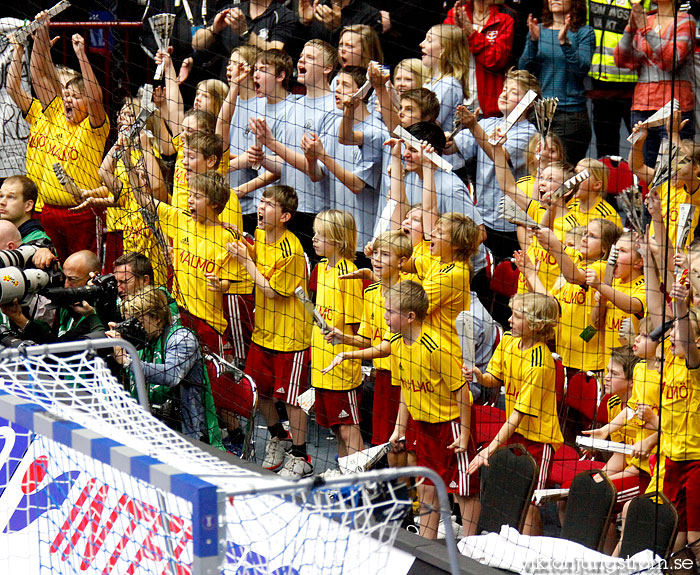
x: 423, y: 261
x: 429, y: 373
x: 198, y: 250
x: 37, y: 157
x: 645, y: 390
x: 127, y: 218
x: 549, y: 270
x: 576, y: 303
x: 78, y: 148
x: 340, y: 303
x: 281, y: 324
x: 527, y: 186
x: 373, y: 325
x: 599, y: 210
x: 181, y: 189
x: 448, y: 289
x: 614, y: 315
x: 680, y: 409
x: 529, y: 379
x: 670, y: 203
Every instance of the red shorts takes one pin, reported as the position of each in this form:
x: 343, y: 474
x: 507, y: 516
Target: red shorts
x: 432, y: 452
x: 70, y: 231
x: 410, y: 435
x: 279, y: 374
x: 208, y: 336
x: 385, y: 407
x: 543, y: 453
x: 682, y: 487
x: 338, y: 407
x: 113, y: 248
x: 629, y: 487
x: 238, y: 312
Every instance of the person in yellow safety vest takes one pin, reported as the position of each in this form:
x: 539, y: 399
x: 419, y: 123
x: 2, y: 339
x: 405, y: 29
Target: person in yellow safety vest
x: 612, y: 87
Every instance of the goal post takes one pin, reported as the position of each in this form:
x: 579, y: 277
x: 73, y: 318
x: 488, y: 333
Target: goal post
x: 91, y: 483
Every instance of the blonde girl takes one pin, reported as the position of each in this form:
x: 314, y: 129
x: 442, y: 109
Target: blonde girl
x: 210, y: 95
x: 357, y: 45
x: 445, y: 52
x: 410, y: 74
x: 339, y: 301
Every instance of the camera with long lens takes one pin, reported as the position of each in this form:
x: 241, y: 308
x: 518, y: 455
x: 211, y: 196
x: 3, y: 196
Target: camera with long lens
x: 102, y: 290
x: 132, y: 330
x: 18, y: 278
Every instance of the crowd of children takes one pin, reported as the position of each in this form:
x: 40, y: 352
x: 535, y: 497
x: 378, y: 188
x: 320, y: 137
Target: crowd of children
x: 356, y: 194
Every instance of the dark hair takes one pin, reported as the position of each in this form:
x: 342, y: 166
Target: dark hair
x: 213, y: 186
x: 357, y: 73
x: 426, y: 100
x: 28, y: 187
x: 578, y: 14
x: 206, y: 143
x: 139, y: 264
x: 206, y: 121
x: 431, y: 133
x: 285, y: 196
x: 281, y: 61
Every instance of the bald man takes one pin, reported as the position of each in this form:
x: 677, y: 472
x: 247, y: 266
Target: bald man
x: 10, y: 238
x: 73, y: 322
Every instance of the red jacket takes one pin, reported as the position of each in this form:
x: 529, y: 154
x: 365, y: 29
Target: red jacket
x: 492, y: 50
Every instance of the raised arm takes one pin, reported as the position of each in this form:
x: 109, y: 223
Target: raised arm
x: 505, y: 178
x: 238, y: 74
x: 397, y: 186
x: 636, y: 155
x: 686, y: 338
x: 14, y: 79
x: 346, y: 134
x: 173, y: 97
x: 549, y: 241
x: 42, y: 72
x: 93, y: 90
x: 429, y: 200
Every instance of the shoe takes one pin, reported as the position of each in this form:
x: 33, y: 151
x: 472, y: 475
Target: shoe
x: 296, y: 467
x: 275, y: 452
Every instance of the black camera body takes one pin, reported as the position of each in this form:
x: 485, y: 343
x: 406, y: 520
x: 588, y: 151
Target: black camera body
x: 102, y: 290
x: 132, y: 330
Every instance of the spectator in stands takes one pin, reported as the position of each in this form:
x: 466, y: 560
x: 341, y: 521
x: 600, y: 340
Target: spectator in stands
x: 358, y: 45
x: 489, y: 27
x: 18, y: 196
x: 265, y: 24
x: 524, y: 365
x: 173, y: 367
x: 588, y: 202
x: 435, y: 415
x: 659, y: 47
x: 279, y: 355
x: 210, y: 96
x: 559, y: 51
x: 612, y: 86
x: 445, y: 52
x: 73, y: 136
x: 307, y: 114
x: 410, y: 74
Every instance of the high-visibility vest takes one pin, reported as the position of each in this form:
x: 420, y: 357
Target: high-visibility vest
x: 608, y: 18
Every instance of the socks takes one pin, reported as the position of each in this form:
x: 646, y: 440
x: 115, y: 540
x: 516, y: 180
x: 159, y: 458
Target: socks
x: 278, y: 430
x: 299, y: 450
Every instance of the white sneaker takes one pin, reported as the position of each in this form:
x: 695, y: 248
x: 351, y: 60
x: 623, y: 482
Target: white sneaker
x: 296, y: 467
x: 275, y: 452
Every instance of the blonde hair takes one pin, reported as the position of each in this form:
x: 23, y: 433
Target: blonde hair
x: 525, y: 80
x: 532, y: 161
x: 150, y: 300
x: 421, y: 74
x: 370, y: 46
x: 646, y: 325
x: 597, y: 169
x: 248, y: 53
x: 395, y: 241
x: 454, y: 59
x: 465, y: 235
x: 409, y: 296
x: 217, y: 90
x: 66, y: 74
x: 153, y: 122
x: 609, y: 234
x: 694, y: 319
x: 541, y: 313
x: 330, y: 54
x: 339, y: 227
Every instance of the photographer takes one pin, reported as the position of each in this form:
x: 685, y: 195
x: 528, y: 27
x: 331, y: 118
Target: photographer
x: 73, y: 322
x: 178, y: 385
x: 35, y: 306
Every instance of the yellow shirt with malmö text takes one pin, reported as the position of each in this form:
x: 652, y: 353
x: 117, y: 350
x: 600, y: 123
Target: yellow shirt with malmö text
x: 281, y: 324
x: 340, y: 304
x: 198, y: 250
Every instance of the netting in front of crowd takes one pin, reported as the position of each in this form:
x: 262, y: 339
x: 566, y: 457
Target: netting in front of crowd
x: 357, y: 233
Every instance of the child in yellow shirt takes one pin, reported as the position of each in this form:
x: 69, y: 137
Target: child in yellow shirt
x: 524, y: 365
